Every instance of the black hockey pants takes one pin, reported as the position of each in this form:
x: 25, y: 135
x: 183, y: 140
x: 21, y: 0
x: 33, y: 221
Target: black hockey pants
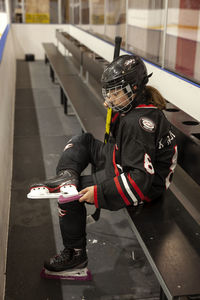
x: 78, y: 153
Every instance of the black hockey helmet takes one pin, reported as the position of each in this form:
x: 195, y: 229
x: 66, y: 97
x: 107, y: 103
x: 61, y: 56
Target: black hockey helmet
x: 127, y: 72
x: 125, y: 69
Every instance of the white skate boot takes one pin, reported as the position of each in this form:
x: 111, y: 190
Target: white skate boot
x: 52, y: 188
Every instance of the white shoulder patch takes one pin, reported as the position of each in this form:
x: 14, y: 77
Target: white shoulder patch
x: 147, y: 124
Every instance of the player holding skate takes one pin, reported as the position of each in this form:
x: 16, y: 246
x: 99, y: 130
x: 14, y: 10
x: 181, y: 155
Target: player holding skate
x: 134, y: 167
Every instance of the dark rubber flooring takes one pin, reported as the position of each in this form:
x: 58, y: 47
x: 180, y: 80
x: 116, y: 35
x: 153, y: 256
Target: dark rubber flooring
x: 41, y: 131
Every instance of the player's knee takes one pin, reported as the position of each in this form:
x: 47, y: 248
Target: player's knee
x: 79, y: 138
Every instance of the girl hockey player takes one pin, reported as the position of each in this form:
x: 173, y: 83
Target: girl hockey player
x: 134, y: 167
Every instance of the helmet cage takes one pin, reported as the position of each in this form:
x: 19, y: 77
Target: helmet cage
x: 121, y: 106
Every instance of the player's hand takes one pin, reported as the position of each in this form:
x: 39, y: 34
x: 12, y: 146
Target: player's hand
x: 88, y: 195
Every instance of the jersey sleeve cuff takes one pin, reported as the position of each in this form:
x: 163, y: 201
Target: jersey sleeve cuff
x: 95, y: 197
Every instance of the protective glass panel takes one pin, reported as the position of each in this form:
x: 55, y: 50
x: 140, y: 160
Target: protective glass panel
x: 2, y: 6
x: 76, y: 12
x: 115, y: 19
x: 145, y: 20
x: 182, y: 53
x: 97, y: 17
x: 85, y: 17
x: 65, y: 11
x: 35, y: 11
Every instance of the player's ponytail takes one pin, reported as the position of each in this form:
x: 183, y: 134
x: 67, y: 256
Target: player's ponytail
x: 155, y: 97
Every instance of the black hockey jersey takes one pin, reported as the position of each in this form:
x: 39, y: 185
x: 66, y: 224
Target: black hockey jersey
x: 140, y: 163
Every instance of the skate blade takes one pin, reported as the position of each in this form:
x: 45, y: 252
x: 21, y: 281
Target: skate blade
x: 48, y: 196
x: 77, y: 274
x: 42, y: 193
x: 64, y: 198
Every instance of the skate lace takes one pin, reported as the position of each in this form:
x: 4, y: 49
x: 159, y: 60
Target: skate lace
x: 64, y: 255
x: 66, y: 173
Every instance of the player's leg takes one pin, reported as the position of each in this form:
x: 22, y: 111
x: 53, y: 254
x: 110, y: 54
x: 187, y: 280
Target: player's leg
x: 71, y: 263
x: 78, y: 153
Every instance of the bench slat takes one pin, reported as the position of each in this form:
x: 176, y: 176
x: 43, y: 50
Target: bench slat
x: 95, y: 67
x: 170, y: 239
x: 90, y: 113
x: 60, y: 64
x: 85, y: 106
x: 71, y: 45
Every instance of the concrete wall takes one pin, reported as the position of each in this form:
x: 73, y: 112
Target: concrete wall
x: 7, y: 88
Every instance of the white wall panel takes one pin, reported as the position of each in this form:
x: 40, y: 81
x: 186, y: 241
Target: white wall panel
x: 7, y: 88
x: 176, y: 90
x: 28, y: 38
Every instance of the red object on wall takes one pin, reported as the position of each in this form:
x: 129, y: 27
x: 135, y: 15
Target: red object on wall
x: 185, y: 56
x: 191, y: 4
x: 187, y: 36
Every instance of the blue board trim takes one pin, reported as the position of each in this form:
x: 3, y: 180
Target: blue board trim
x: 3, y: 41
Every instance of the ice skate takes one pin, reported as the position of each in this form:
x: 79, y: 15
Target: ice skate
x: 64, y: 183
x: 71, y: 264
x: 68, y: 193
x: 74, y: 274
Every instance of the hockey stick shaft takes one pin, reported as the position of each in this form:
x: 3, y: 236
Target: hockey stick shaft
x: 95, y: 216
x: 118, y: 40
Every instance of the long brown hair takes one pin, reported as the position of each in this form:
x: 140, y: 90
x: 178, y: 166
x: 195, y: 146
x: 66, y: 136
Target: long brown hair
x: 154, y: 96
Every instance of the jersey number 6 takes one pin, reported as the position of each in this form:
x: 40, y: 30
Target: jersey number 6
x: 148, y: 164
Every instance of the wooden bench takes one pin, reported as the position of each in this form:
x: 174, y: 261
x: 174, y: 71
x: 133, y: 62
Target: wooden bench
x: 84, y: 102
x: 168, y: 229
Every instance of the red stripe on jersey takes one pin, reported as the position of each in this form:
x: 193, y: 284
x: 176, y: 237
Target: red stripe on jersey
x: 147, y: 199
x: 115, y: 117
x: 138, y: 191
x: 120, y: 191
x: 147, y: 106
x: 114, y: 164
x: 95, y: 197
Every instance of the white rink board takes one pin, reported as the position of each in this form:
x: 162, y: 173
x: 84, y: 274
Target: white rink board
x: 7, y: 103
x: 3, y: 22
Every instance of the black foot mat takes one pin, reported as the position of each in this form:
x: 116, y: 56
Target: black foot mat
x: 31, y: 237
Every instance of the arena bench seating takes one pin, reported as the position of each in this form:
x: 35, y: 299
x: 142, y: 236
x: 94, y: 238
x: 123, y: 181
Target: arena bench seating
x: 168, y: 229
x: 87, y: 109
x: 57, y: 63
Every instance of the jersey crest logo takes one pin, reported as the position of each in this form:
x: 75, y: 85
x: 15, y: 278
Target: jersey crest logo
x: 147, y: 124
